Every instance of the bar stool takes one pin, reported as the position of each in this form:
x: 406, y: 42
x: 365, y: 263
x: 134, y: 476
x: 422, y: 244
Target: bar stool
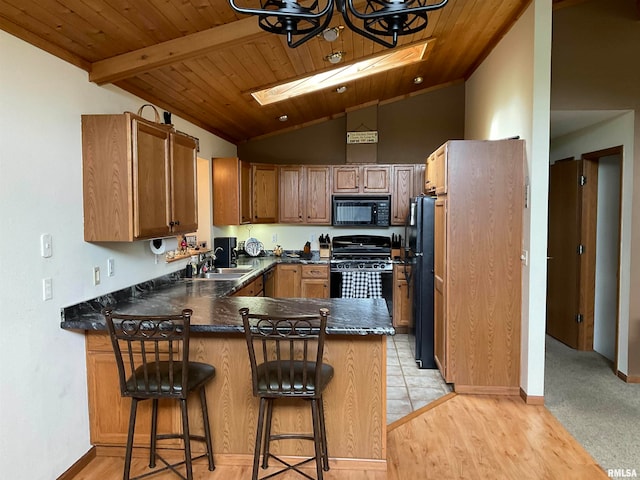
x: 286, y: 362
x: 152, y: 355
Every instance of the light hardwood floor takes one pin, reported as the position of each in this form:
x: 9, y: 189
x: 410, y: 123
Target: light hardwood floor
x: 455, y: 437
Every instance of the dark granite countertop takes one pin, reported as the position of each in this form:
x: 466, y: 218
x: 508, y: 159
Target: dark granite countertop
x: 214, y: 311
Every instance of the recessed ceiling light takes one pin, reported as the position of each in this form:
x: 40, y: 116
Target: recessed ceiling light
x: 418, y: 80
x: 283, y: 118
x: 334, y: 57
x: 396, y: 58
x: 341, y: 89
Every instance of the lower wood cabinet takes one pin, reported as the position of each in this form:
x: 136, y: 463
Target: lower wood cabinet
x: 108, y: 411
x: 254, y: 289
x: 402, y: 299
x: 307, y: 281
x: 287, y: 281
x: 315, y: 281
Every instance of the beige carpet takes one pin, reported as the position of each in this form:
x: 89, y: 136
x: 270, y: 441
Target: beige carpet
x: 601, y: 411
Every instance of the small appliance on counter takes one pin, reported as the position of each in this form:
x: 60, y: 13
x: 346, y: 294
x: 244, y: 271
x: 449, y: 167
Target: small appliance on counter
x: 224, y: 250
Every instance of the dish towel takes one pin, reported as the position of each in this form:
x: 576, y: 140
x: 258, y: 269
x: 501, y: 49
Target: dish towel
x: 361, y: 285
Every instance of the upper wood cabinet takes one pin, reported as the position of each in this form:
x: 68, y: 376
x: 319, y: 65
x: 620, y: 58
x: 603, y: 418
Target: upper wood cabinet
x: 402, y: 191
x: 361, y: 179
x: 305, y: 194
x: 231, y: 191
x: 265, y: 193
x: 435, y: 179
x: 292, y: 192
x: 139, y: 179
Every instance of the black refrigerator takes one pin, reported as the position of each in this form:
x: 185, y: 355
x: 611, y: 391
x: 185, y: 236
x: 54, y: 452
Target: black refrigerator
x: 419, y: 254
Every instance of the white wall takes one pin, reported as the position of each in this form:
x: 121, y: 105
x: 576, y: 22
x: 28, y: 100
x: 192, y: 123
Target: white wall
x: 612, y: 133
x: 43, y: 405
x: 607, y: 256
x: 508, y: 95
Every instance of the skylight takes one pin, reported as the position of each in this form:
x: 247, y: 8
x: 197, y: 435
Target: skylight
x: 341, y: 75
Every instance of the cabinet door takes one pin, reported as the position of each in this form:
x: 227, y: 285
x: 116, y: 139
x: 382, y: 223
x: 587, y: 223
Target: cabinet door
x: 317, y: 194
x: 265, y: 193
x: 346, y: 179
x: 245, y: 194
x: 151, y: 183
x: 402, y: 299
x: 402, y: 193
x: 314, y: 288
x: 226, y: 191
x: 439, y: 269
x: 291, y: 195
x: 376, y: 179
x: 270, y: 283
x: 104, y: 397
x: 184, y: 195
x: 436, y: 172
x: 287, y: 281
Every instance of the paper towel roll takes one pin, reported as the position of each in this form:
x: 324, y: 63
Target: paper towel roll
x: 160, y: 246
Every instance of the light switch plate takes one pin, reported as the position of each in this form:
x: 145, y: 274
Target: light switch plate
x: 47, y: 289
x: 46, y: 247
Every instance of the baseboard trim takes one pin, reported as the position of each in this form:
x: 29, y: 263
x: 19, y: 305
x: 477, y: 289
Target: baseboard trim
x: 531, y: 399
x: 486, y: 390
x: 242, y: 460
x: 82, y: 462
x: 628, y: 378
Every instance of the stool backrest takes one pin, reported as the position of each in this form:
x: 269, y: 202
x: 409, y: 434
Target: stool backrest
x: 285, y: 352
x: 152, y: 352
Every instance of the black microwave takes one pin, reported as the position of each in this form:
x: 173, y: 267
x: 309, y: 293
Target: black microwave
x: 361, y: 211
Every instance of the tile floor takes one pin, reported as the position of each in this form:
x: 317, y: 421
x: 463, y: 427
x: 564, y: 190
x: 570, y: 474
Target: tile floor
x: 409, y: 387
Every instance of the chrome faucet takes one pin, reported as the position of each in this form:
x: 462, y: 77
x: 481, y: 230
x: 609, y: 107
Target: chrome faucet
x: 206, y: 261
x: 216, y: 251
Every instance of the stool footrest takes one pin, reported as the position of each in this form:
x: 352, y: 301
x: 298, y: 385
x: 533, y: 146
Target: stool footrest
x: 292, y: 436
x: 168, y: 466
x: 289, y: 466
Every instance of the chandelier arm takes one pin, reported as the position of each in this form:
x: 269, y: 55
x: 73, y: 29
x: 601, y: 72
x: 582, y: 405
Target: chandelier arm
x: 312, y: 33
x: 364, y: 33
x: 275, y: 13
x: 381, y: 14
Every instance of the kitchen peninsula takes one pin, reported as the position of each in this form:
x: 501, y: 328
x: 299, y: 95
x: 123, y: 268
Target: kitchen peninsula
x: 355, y: 401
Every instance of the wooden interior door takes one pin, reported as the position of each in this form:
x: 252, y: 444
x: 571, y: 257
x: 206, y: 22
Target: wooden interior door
x: 563, y: 264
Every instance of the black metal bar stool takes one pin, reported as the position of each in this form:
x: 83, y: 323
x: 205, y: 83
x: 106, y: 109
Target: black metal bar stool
x: 286, y: 362
x: 152, y: 354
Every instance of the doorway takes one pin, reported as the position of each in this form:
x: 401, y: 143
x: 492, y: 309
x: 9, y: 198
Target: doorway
x: 583, y: 255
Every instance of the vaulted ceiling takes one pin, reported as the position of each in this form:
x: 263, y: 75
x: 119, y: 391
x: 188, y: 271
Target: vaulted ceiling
x: 200, y: 60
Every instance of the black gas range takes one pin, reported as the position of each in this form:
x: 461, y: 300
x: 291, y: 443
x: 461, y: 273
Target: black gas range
x: 361, y: 253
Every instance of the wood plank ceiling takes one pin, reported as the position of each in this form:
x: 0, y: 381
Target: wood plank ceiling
x: 201, y: 60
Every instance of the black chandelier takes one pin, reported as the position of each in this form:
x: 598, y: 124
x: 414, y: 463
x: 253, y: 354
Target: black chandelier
x: 309, y: 18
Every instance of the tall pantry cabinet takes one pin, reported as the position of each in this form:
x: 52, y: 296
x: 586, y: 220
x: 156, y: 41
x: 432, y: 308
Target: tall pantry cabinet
x: 477, y: 246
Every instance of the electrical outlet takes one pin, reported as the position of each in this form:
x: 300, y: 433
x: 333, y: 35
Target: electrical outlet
x: 312, y: 237
x: 96, y: 275
x: 274, y: 238
x: 110, y: 267
x: 47, y: 289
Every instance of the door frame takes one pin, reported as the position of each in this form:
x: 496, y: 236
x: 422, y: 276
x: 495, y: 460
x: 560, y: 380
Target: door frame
x: 587, y: 269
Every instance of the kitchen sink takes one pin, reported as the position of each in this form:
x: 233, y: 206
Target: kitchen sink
x: 229, y: 273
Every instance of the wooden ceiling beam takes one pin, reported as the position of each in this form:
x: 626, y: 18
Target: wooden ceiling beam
x: 130, y: 64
